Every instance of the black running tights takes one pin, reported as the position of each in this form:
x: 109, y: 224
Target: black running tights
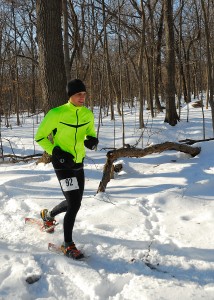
x: 72, y: 184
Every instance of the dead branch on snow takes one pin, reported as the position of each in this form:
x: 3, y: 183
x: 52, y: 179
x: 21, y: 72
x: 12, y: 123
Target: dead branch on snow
x: 113, y: 155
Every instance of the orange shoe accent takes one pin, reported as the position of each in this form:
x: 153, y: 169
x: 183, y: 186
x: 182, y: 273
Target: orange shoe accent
x: 72, y: 251
x: 48, y: 224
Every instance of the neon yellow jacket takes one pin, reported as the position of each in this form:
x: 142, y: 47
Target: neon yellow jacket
x: 69, y: 125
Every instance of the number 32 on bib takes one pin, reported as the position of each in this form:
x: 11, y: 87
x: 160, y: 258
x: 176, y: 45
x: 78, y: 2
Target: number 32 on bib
x: 69, y: 184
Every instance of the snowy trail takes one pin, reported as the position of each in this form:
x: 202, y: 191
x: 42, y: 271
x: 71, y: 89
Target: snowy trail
x: 150, y: 236
x: 126, y: 239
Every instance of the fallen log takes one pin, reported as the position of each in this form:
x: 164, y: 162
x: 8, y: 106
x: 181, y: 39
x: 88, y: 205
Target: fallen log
x: 12, y: 158
x: 113, y: 155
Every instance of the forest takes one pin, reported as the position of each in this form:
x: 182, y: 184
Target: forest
x: 155, y: 52
x: 146, y: 224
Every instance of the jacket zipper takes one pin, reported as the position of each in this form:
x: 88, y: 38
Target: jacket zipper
x: 76, y: 134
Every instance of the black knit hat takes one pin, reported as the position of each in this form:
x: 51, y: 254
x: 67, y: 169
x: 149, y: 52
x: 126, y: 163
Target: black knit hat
x: 75, y: 86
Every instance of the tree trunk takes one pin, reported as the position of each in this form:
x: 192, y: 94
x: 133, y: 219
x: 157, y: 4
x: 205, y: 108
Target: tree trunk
x: 210, y: 90
x: 157, y: 76
x: 65, y: 39
x: 140, y: 69
x: 171, y: 113
x: 111, y: 85
x: 51, y: 58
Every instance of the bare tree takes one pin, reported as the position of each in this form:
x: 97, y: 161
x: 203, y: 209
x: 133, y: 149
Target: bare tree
x: 171, y: 116
x: 117, y: 47
x: 65, y: 39
x: 51, y: 58
x: 111, y: 85
x: 206, y: 10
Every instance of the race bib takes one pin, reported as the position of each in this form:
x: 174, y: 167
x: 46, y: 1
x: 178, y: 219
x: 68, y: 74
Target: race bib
x: 69, y: 184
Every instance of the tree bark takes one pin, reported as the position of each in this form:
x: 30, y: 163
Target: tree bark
x: 65, y: 39
x: 51, y: 57
x: 171, y: 113
x: 157, y: 76
x: 210, y: 90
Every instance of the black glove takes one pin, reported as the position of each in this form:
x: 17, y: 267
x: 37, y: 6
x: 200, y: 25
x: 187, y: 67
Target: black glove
x: 62, y: 157
x: 91, y: 142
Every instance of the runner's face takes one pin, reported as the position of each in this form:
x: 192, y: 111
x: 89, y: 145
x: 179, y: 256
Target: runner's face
x: 78, y: 99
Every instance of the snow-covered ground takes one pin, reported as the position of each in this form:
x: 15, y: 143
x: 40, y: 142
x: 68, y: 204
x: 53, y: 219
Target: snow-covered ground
x: 150, y: 236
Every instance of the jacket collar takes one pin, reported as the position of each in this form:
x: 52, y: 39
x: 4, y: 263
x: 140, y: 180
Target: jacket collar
x: 73, y: 107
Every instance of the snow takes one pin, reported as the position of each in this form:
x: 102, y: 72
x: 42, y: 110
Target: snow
x: 149, y: 236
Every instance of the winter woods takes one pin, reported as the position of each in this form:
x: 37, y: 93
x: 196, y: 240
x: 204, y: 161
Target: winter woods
x: 153, y: 51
